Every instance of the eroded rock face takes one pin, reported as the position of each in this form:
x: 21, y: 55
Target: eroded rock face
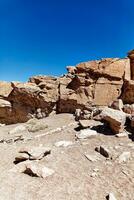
x: 94, y: 83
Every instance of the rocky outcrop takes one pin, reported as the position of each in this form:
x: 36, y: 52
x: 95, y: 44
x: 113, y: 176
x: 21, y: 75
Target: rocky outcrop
x: 86, y: 85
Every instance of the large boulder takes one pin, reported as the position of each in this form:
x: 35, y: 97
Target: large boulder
x: 115, y: 118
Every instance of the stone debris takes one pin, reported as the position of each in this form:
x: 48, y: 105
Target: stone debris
x: 115, y: 118
x: 129, y: 109
x: 63, y: 143
x: 86, y: 133
x: 111, y: 196
x: 34, y: 153
x: 15, y: 138
x: 32, y: 168
x: 104, y: 151
x: 123, y: 134
x: 89, y: 123
x: 37, y: 170
x: 124, y: 157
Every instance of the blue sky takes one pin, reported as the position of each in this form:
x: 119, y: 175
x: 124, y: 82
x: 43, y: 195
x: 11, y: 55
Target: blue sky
x: 43, y: 36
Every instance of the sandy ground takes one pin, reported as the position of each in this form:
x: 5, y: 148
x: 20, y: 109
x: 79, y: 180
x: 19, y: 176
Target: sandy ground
x: 75, y: 177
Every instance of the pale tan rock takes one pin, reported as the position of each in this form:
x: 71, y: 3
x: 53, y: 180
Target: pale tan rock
x: 71, y: 69
x: 107, y: 67
x: 63, y: 143
x: 115, y: 118
x: 89, y: 123
x: 36, y: 153
x: 123, y: 134
x: 5, y: 89
x: 21, y: 157
x: 39, y: 170
x: 86, y: 133
x: 5, y: 104
x: 106, y: 91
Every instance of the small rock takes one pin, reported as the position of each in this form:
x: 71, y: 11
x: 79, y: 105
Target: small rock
x: 96, y: 170
x: 111, y: 197
x: 86, y: 133
x: 103, y: 151
x: 1, y: 125
x: 36, y: 153
x: 21, y: 157
x: 63, y: 143
x: 123, y: 134
x: 78, y: 114
x: 38, y: 170
x: 94, y: 174
x: 18, y: 129
x: 124, y: 157
x: 89, y: 123
x: 128, y: 108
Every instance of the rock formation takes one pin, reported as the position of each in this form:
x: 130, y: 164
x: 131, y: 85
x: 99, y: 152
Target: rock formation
x: 93, y: 83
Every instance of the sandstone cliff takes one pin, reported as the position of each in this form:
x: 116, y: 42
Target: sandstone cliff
x: 93, y: 83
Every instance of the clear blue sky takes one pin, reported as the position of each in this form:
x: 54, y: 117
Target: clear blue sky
x: 43, y: 36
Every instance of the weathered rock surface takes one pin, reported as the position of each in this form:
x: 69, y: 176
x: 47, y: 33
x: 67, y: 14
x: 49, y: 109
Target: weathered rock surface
x: 63, y: 143
x: 93, y: 83
x: 36, y: 153
x: 86, y: 133
x: 115, y: 118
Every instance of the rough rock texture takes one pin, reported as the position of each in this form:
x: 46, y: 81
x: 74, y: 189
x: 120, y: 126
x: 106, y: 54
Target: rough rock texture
x: 128, y: 92
x: 115, y: 118
x: 80, y: 173
x: 93, y: 83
